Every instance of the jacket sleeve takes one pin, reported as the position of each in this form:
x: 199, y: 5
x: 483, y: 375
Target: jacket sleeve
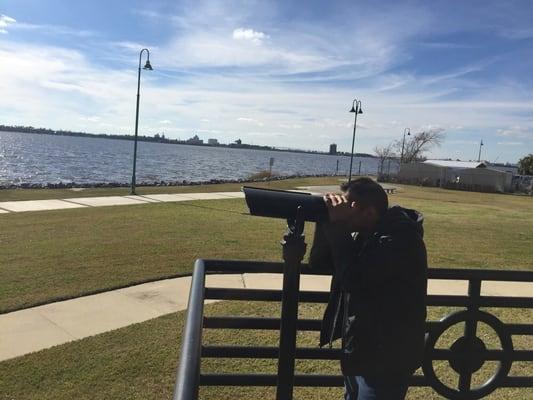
x: 320, y: 257
x: 331, y: 248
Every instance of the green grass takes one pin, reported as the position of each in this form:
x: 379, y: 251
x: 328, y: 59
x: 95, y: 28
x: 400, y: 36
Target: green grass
x: 42, y: 194
x: 53, y: 254
x: 139, y: 361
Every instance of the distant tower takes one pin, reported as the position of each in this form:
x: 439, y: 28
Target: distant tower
x: 333, y: 149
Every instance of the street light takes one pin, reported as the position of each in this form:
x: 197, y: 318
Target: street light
x: 147, y: 66
x: 356, y: 109
x: 408, y: 130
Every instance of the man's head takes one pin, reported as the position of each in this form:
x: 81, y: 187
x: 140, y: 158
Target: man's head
x: 368, y: 203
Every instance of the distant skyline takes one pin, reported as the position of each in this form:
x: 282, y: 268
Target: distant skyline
x: 276, y: 73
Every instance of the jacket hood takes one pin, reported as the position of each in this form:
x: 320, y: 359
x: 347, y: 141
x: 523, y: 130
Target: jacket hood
x: 401, y: 219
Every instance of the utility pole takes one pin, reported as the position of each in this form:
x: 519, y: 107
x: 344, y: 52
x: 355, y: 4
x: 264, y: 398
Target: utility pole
x: 479, y: 154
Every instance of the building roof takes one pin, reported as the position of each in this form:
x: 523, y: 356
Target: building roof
x: 456, y: 164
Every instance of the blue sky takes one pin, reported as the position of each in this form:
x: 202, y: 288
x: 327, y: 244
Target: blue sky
x: 276, y: 72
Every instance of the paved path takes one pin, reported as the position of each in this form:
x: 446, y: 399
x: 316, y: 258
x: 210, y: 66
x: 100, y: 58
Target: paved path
x: 84, y: 202
x: 37, y: 328
x: 104, y: 201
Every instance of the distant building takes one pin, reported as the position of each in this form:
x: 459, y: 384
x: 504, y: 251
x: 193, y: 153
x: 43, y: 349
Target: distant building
x: 512, y: 168
x: 333, y: 149
x: 238, y: 141
x: 212, y: 142
x: 195, y: 140
x: 466, y: 175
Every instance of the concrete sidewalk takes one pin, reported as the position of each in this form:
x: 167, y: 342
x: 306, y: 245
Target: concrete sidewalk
x: 104, y: 201
x: 37, y: 328
x: 84, y: 202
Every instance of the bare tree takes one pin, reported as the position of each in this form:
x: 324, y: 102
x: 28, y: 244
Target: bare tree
x: 420, y: 143
x: 384, y: 153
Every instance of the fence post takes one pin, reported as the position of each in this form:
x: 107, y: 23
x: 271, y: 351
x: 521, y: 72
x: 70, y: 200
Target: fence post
x: 474, y: 290
x: 293, y: 252
x: 188, y: 376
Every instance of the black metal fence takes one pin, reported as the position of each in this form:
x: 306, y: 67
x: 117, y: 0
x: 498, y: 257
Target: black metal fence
x: 465, y: 356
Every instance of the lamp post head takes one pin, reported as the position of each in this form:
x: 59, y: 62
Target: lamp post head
x: 148, y: 66
x: 356, y: 107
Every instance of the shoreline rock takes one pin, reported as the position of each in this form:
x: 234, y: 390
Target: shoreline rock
x: 74, y: 185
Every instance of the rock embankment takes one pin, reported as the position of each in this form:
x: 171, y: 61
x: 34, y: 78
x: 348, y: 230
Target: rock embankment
x: 72, y: 185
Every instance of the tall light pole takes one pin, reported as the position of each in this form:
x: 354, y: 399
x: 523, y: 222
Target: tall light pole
x: 408, y: 130
x: 356, y: 109
x: 147, y: 66
x: 479, y: 154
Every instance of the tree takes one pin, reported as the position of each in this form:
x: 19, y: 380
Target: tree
x: 384, y: 153
x: 419, y: 143
x: 525, y: 165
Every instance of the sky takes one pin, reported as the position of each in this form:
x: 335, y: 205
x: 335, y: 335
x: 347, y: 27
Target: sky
x: 281, y: 73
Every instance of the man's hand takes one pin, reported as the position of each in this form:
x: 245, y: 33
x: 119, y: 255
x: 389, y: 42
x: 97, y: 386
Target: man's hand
x: 339, y: 208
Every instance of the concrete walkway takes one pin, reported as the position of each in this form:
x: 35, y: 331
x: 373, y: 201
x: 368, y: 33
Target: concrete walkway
x: 104, y: 201
x: 84, y: 202
x: 37, y: 328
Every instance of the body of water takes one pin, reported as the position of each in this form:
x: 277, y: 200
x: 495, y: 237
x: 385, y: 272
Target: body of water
x: 40, y: 159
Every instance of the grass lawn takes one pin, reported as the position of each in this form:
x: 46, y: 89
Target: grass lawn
x: 139, y: 362
x: 41, y: 194
x: 53, y: 254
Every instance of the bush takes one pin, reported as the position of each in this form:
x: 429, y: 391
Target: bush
x: 262, y: 175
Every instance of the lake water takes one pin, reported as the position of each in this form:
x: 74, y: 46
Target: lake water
x: 40, y: 159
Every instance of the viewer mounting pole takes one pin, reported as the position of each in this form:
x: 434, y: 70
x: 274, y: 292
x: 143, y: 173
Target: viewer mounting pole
x: 293, y: 252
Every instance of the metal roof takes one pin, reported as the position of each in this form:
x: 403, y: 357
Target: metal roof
x: 456, y: 164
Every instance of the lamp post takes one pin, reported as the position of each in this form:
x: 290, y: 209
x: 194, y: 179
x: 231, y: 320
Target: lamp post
x: 356, y: 109
x: 479, y: 154
x: 147, y: 66
x: 408, y: 130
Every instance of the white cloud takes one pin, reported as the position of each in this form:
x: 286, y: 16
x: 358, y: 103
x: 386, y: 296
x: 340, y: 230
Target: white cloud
x: 6, y: 22
x: 516, y: 131
x: 134, y: 46
x: 54, y: 29
x: 511, y: 143
x: 165, y: 122
x: 249, y: 34
x: 93, y: 118
x: 250, y: 120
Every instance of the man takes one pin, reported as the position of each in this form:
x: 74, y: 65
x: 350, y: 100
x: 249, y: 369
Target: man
x: 378, y: 291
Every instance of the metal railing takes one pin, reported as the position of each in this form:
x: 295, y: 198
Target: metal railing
x: 465, y: 356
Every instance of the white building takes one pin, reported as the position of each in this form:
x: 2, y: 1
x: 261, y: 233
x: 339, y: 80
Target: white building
x: 468, y: 175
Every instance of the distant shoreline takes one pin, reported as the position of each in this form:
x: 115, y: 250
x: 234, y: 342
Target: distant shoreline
x: 163, y: 140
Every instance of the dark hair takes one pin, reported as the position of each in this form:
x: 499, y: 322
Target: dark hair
x: 367, y: 192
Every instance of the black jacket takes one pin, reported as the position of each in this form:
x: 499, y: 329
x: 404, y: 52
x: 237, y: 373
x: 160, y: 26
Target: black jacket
x: 378, y: 294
